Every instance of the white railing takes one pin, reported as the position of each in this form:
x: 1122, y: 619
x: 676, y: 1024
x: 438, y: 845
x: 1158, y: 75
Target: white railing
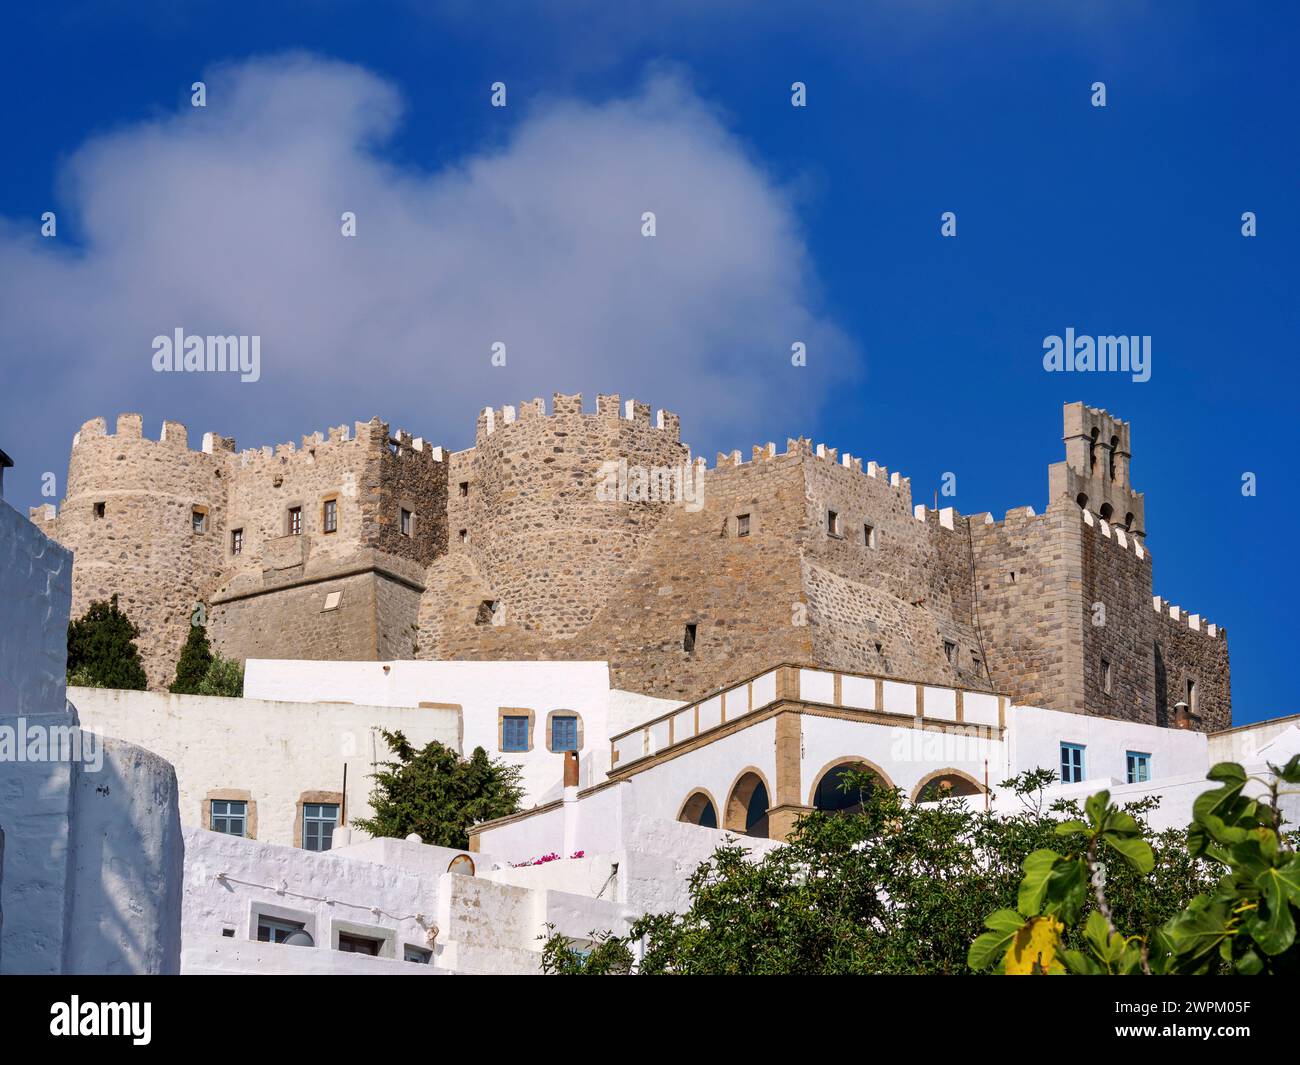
x: 851, y: 691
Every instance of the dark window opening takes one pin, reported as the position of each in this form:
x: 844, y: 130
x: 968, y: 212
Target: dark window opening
x: 351, y: 944
x: 832, y: 523
x: 99, y: 510
x: 949, y: 651
x: 688, y: 639
x: 236, y: 541
x: 1106, y: 511
x: 464, y: 488
x: 199, y: 521
x: 464, y: 536
x: 486, y: 611
x: 1105, y: 676
x: 408, y: 520
x: 869, y: 535
x: 1114, y: 449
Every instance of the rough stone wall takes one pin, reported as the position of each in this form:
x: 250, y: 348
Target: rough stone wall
x: 263, y: 600
x: 1117, y: 625
x: 1019, y: 584
x: 550, y: 548
x: 144, y: 547
x: 1198, y: 654
x: 908, y: 595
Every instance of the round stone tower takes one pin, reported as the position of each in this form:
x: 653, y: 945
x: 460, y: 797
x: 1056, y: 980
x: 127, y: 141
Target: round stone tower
x: 146, y: 520
x: 556, y: 506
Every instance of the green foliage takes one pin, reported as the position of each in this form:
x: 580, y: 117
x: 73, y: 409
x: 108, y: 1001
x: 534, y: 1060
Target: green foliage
x: 224, y: 676
x: 102, y: 651
x: 196, y: 658
x: 891, y: 888
x: 1242, y: 923
x: 607, y: 956
x: 438, y: 795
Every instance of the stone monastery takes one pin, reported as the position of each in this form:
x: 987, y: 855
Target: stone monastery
x: 371, y: 545
x: 671, y: 655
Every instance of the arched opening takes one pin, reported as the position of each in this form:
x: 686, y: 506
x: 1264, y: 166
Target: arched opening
x: 1128, y: 520
x: 1082, y: 500
x: 1114, y: 447
x: 747, y: 806
x: 945, y: 784
x: 699, y: 810
x: 1106, y: 511
x: 832, y: 793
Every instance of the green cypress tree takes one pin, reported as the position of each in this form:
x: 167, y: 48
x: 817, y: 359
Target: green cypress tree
x: 102, y: 651
x: 195, y: 661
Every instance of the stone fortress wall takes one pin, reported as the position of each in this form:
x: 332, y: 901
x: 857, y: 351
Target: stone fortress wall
x: 515, y: 550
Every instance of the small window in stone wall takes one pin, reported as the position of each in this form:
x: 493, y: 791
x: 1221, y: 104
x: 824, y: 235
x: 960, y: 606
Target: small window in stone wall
x: 949, y: 651
x: 100, y: 509
x: 295, y: 521
x: 869, y: 535
x: 464, y: 536
x: 976, y: 663
x: 236, y: 541
x: 330, y: 516
x: 742, y: 525
x: 832, y: 523
x: 688, y: 638
x: 486, y: 612
x: 199, y: 520
x: 1105, y: 676
x: 464, y: 489
x: 408, y: 522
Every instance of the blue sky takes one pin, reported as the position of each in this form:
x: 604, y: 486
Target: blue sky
x: 775, y: 224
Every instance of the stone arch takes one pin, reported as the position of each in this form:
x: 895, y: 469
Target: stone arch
x: 1106, y: 512
x: 748, y: 800
x: 699, y: 809
x: 959, y: 783
x: 835, y: 766
x: 1082, y: 500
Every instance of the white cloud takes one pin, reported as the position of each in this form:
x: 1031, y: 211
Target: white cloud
x: 226, y: 220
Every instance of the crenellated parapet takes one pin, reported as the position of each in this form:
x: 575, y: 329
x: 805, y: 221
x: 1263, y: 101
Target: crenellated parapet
x: 609, y: 411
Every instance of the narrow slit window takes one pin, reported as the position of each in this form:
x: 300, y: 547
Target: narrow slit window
x: 688, y: 638
x: 236, y: 541
x: 295, y: 521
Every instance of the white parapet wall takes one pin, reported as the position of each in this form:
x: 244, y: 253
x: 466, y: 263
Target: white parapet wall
x: 481, y: 692
x: 90, y: 867
x: 276, y: 752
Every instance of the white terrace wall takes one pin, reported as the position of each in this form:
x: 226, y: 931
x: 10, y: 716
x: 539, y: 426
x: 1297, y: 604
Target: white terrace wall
x: 391, y: 890
x: 274, y: 751
x: 1035, y: 737
x: 480, y: 691
x: 90, y: 871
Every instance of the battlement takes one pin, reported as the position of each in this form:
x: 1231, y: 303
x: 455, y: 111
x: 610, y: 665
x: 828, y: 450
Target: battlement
x: 1176, y: 615
x: 608, y: 409
x: 362, y: 435
x: 131, y: 427
x: 804, y: 447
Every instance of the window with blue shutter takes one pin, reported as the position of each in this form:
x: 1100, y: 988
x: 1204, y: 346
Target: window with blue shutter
x: 564, y: 733
x: 1071, y: 763
x: 1139, y: 767
x: 514, y: 733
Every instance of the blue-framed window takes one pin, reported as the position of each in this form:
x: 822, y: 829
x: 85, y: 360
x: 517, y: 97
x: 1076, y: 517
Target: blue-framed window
x: 1139, y: 767
x: 564, y: 733
x: 230, y: 817
x: 1071, y: 763
x: 275, y: 929
x: 514, y: 733
x: 318, y: 821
